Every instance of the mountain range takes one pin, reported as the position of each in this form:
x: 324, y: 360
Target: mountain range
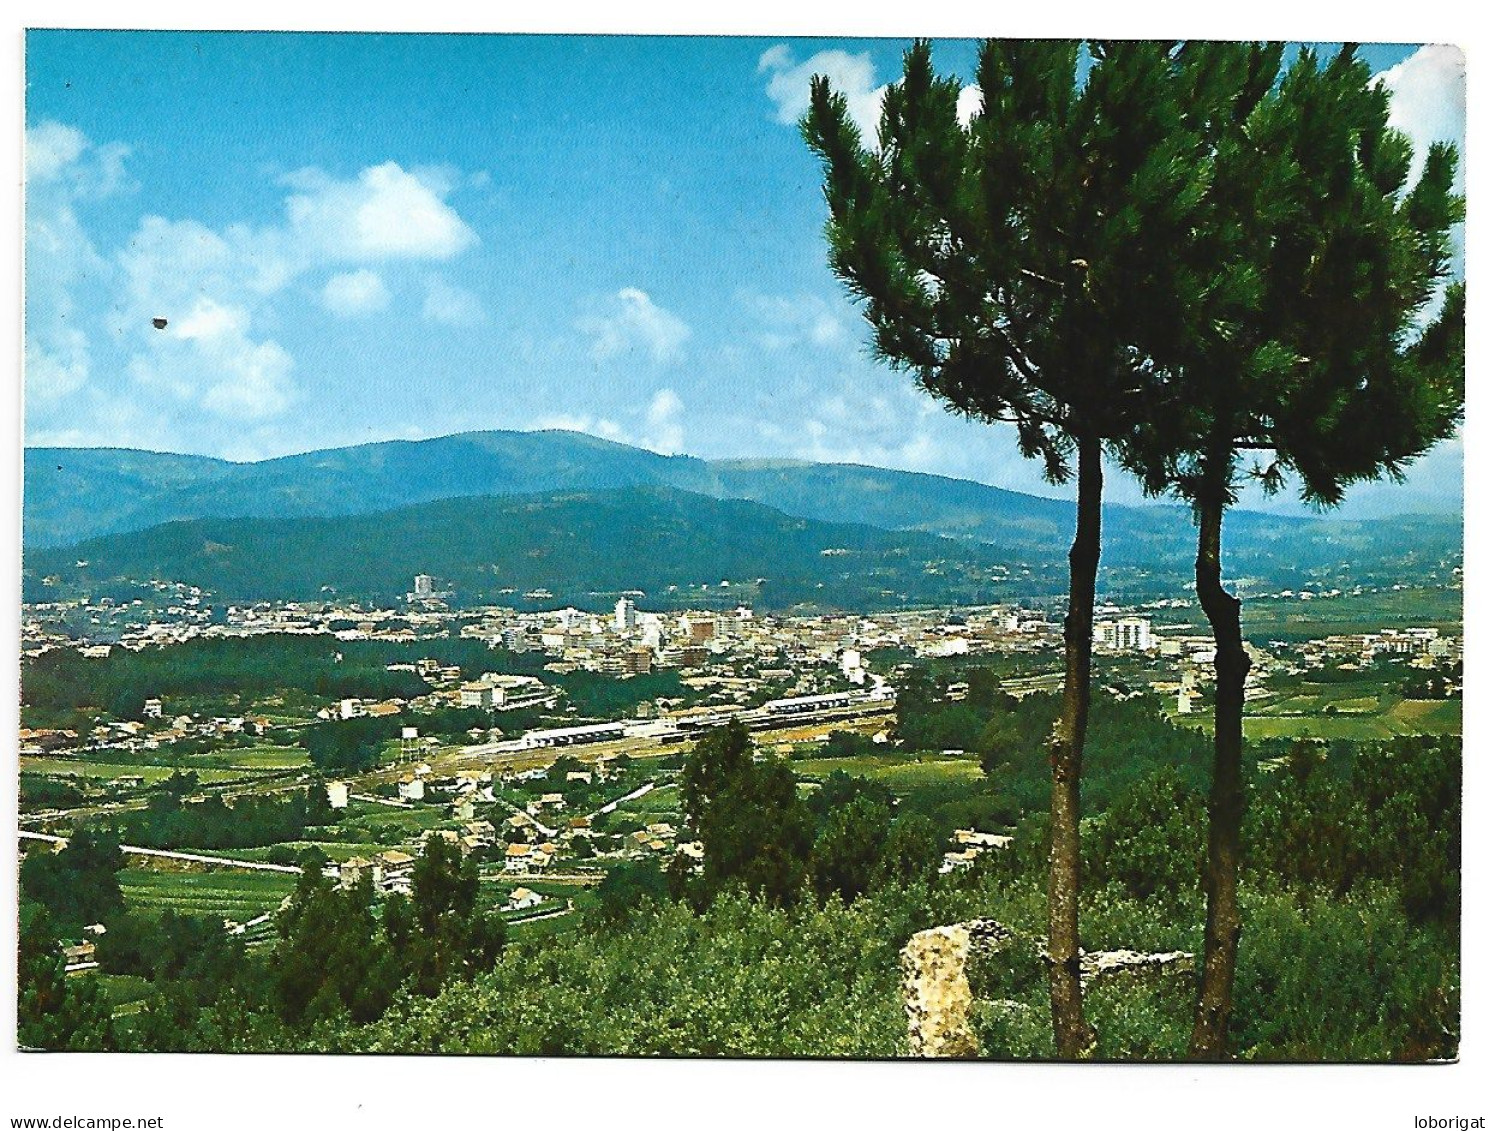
x: 494, y: 511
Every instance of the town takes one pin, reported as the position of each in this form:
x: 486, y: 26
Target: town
x: 531, y: 782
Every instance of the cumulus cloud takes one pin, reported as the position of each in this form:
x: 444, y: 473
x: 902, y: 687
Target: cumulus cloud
x: 659, y: 426
x: 383, y: 213
x: 451, y: 305
x: 632, y: 323
x: 61, y: 153
x: 664, y: 429
x: 851, y: 75
x: 1428, y: 105
x: 355, y: 293
x: 63, y: 167
x: 798, y: 321
x: 968, y: 104
x: 1427, y: 99
x: 881, y: 422
x: 50, y: 148
x: 209, y: 358
x: 218, y: 287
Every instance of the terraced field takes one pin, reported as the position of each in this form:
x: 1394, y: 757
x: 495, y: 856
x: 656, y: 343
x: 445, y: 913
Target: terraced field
x: 108, y: 771
x: 900, y: 773
x: 230, y: 895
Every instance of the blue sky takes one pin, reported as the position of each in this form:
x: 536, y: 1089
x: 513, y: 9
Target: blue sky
x: 360, y: 237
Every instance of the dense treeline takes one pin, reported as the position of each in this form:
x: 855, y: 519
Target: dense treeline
x: 758, y: 835
x: 59, y: 684
x: 78, y: 885
x: 338, y: 961
x: 252, y: 821
x: 1128, y: 739
x: 252, y: 666
x: 1339, y: 815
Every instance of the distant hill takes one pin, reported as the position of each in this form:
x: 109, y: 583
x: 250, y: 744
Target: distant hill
x: 677, y: 548
x: 77, y: 493
x: 584, y: 548
x: 74, y: 495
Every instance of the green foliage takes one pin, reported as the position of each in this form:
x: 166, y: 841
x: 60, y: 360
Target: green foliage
x: 339, y: 959
x: 850, y: 846
x: 249, y: 666
x: 911, y: 852
x: 78, y: 885
x: 847, y: 744
x: 54, y: 1011
x: 583, y: 546
x: 453, y: 939
x: 170, y: 822
x: 328, y: 962
x: 741, y: 979
x: 1325, y: 978
x: 1341, y: 813
x: 628, y: 887
x: 721, y: 754
x: 1150, y: 840
x: 347, y: 744
x: 190, y: 959
x: 927, y: 719
x: 39, y: 791
x: 756, y: 833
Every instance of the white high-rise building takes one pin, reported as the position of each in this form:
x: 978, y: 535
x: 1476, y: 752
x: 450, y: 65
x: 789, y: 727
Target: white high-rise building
x: 653, y: 631
x: 625, y: 615
x: 425, y: 585
x: 1124, y: 634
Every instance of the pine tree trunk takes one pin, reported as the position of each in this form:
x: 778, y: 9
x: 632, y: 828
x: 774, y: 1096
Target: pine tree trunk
x: 1073, y: 1039
x: 1222, y: 931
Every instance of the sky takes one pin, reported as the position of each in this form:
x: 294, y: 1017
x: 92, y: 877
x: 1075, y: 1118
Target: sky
x: 360, y: 237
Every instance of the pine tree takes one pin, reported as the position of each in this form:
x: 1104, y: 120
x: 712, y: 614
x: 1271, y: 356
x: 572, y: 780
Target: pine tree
x: 1305, y: 349
x: 1022, y: 267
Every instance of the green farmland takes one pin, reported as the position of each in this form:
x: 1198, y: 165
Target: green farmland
x: 232, y: 895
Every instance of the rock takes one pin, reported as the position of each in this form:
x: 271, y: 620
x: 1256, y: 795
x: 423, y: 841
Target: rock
x: 938, y: 965
x: 936, y: 992
x: 1110, y: 963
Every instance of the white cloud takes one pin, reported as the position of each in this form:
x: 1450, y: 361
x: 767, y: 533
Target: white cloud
x: 968, y: 104
x: 797, y: 321
x: 209, y: 320
x: 256, y: 379
x: 50, y: 148
x: 665, y: 431
x: 62, y: 167
x: 215, y: 285
x: 659, y: 427
x: 385, y: 213
x: 355, y: 293
x: 631, y: 322
x: 208, y: 358
x: 57, y: 152
x: 208, y: 290
x: 1427, y: 99
x: 1428, y: 105
x: 880, y: 420
x: 451, y: 305
x: 57, y: 363
x: 851, y: 75
x: 170, y: 264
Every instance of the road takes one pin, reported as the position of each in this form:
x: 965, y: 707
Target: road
x: 189, y: 857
